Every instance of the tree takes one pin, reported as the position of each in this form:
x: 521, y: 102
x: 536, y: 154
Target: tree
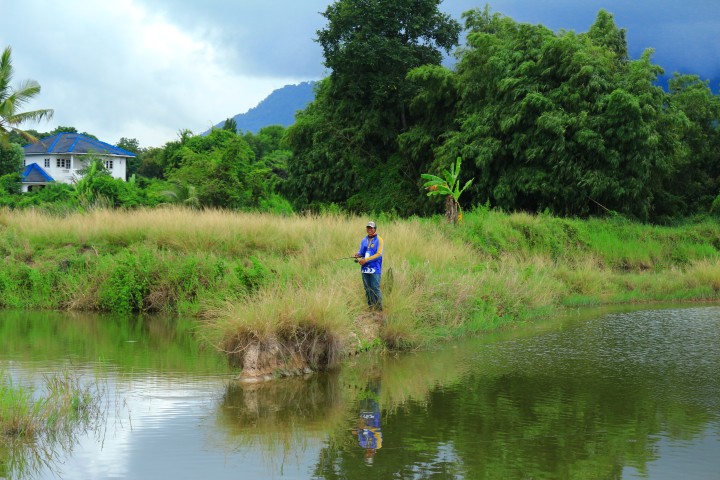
x: 129, y: 144
x: 63, y: 129
x: 222, y: 169
x: 149, y: 163
x: 11, y: 158
x: 554, y: 121
x: 12, y: 99
x: 371, y: 45
x: 266, y: 140
x: 349, y: 132
x: 696, y: 172
x: 133, y: 163
x: 230, y: 124
x: 10, y: 183
x: 605, y: 33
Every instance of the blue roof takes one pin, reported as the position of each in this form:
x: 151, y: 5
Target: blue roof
x: 76, y: 143
x: 34, y: 173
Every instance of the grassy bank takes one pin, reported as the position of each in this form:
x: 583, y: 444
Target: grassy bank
x: 264, y: 284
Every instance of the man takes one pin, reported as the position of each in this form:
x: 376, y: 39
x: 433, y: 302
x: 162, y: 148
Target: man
x: 370, y: 259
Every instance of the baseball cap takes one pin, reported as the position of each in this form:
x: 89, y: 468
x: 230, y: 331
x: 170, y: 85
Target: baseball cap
x: 371, y: 225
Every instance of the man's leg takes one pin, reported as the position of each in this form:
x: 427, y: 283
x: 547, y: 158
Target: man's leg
x: 375, y: 297
x: 367, y: 284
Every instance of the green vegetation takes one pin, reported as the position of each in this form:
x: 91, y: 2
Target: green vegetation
x: 344, y: 143
x: 23, y: 416
x: 273, y: 282
x: 545, y: 121
x: 450, y: 188
x: 34, y: 426
x: 13, y: 98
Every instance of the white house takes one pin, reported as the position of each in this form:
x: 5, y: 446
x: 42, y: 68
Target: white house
x: 59, y: 158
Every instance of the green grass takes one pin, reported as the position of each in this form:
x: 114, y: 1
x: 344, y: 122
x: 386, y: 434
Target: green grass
x: 65, y: 402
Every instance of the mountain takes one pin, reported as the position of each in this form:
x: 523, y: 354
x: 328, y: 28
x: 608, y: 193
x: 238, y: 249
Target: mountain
x: 278, y: 108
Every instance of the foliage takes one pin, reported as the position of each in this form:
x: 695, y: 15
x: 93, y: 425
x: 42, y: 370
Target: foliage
x: 182, y: 194
x: 149, y: 163
x: 350, y: 130
x: 129, y: 144
x: 230, y: 124
x: 37, y: 424
x: 97, y: 188
x: 252, y: 274
x: 545, y: 121
x: 695, y: 181
x: 450, y: 187
x: 13, y: 99
x: 55, y: 195
x: 567, y: 125
x: 10, y: 183
x: 11, y: 158
x: 222, y: 170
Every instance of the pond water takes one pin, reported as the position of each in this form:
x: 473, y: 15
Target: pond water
x: 603, y: 395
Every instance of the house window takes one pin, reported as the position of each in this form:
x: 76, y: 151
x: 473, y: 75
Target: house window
x: 63, y: 163
x: 108, y: 164
x: 47, y: 163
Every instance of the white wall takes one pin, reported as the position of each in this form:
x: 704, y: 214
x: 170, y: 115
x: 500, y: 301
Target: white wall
x: 76, y: 163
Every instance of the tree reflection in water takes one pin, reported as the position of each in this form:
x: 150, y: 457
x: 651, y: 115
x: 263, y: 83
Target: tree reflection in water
x: 589, y: 401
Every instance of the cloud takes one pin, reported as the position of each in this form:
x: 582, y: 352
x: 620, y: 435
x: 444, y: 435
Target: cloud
x: 146, y: 69
x: 118, y: 69
x: 269, y: 38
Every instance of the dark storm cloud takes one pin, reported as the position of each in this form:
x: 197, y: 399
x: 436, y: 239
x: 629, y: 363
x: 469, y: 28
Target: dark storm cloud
x: 276, y: 37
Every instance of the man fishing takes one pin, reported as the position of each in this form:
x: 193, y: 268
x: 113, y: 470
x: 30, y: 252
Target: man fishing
x: 370, y: 258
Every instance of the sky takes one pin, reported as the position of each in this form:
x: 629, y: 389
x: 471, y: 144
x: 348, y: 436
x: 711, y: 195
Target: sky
x: 148, y: 69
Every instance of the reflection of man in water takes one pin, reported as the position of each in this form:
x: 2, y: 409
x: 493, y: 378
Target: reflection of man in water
x: 368, y: 430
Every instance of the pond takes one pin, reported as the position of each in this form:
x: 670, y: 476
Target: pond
x: 603, y: 394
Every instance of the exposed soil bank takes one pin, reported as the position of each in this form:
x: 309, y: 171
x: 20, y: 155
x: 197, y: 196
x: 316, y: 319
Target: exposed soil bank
x: 303, y: 353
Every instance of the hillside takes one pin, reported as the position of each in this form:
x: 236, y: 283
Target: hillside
x: 277, y: 109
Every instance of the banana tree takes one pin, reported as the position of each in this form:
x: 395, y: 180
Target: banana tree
x: 450, y: 188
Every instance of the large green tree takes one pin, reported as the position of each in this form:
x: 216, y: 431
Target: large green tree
x: 696, y: 174
x: 13, y: 99
x: 557, y: 121
x: 344, y: 141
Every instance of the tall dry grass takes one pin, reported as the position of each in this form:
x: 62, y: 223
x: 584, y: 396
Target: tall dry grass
x: 173, y: 228
x: 322, y: 293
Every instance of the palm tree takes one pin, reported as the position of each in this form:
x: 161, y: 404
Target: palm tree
x: 11, y: 100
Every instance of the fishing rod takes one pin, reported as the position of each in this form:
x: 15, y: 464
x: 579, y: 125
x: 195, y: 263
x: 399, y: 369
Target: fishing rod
x: 346, y: 258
